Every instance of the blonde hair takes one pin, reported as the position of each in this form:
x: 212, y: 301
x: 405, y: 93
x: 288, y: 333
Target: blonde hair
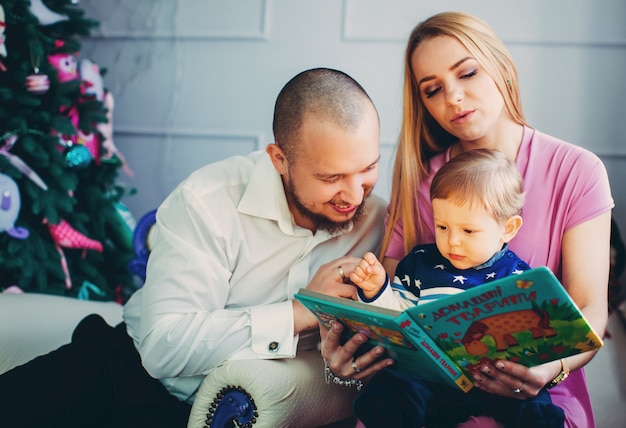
x: 421, y: 136
x: 481, y: 176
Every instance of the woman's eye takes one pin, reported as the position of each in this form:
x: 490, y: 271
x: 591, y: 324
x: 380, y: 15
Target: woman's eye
x: 470, y: 74
x: 442, y: 227
x: 469, y: 231
x: 431, y: 92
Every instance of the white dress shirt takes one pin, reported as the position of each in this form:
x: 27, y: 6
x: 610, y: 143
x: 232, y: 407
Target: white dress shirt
x: 225, y: 263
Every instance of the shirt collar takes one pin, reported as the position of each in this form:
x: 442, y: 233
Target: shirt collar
x: 497, y: 256
x: 264, y: 197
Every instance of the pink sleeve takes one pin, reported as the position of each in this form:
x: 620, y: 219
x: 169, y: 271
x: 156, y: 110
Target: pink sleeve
x: 593, y: 190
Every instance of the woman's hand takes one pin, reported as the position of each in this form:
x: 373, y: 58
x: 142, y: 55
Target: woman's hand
x: 515, y: 380
x: 340, y: 359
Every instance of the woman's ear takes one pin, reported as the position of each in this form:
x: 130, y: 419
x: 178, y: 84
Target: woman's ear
x: 279, y: 160
x: 512, y: 225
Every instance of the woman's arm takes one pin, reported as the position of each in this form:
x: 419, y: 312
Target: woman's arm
x: 586, y: 260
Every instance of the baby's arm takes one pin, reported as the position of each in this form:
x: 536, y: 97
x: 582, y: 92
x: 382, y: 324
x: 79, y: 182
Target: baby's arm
x: 369, y: 275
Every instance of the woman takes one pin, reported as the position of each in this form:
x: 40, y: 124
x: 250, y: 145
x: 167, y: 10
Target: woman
x: 461, y: 93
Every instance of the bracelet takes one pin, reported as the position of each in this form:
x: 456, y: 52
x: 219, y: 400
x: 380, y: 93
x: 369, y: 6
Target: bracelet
x: 329, y: 377
x: 560, y: 377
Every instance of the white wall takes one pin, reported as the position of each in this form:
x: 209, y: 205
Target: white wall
x: 195, y: 80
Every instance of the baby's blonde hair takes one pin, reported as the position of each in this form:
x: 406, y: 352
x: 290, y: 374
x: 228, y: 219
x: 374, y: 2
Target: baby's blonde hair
x: 481, y: 176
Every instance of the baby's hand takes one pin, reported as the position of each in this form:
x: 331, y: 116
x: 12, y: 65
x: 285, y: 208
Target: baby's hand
x: 369, y: 275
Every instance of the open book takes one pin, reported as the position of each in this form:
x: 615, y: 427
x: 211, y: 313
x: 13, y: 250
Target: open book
x: 527, y: 318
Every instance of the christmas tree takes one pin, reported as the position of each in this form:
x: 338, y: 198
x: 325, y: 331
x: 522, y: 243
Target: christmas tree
x: 63, y: 229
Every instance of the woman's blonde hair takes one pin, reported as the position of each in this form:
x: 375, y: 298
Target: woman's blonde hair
x: 481, y: 176
x: 421, y: 136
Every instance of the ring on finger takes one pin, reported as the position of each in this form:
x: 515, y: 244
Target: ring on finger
x: 356, y: 368
x: 341, y: 273
x: 517, y: 391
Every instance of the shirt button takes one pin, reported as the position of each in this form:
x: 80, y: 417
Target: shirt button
x: 273, y: 347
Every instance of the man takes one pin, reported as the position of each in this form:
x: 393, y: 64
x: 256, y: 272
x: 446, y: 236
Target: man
x: 231, y: 246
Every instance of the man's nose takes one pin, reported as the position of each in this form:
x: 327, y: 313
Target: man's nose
x: 353, y: 190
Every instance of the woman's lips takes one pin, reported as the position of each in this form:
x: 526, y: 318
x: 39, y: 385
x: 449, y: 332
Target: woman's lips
x: 462, y: 117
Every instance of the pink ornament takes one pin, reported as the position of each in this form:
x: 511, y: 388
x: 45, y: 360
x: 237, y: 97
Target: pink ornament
x: 66, y: 64
x: 67, y: 237
x: 64, y: 266
x: 3, y: 49
x: 37, y: 83
x: 94, y: 85
x: 92, y: 142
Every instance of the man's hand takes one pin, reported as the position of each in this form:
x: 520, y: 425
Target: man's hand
x: 327, y: 280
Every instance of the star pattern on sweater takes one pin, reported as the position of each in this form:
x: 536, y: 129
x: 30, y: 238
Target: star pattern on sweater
x: 491, y: 275
x: 440, y: 267
x: 459, y: 278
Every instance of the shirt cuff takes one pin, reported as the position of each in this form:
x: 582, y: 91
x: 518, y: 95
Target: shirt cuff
x: 272, y: 331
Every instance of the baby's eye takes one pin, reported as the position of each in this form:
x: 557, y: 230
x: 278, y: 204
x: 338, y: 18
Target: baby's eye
x: 468, y: 231
x: 441, y: 227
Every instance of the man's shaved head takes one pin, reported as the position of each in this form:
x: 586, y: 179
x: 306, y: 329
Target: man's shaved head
x: 329, y: 95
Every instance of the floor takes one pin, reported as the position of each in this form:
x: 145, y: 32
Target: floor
x: 606, y: 377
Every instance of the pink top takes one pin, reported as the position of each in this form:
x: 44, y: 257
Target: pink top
x: 565, y: 185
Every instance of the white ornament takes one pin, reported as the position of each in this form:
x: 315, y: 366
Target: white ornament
x: 45, y: 15
x: 37, y: 83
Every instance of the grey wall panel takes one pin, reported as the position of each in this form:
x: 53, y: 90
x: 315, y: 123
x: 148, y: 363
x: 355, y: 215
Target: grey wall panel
x: 210, y: 68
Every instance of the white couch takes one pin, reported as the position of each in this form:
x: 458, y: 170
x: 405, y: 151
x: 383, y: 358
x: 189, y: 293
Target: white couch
x: 285, y: 393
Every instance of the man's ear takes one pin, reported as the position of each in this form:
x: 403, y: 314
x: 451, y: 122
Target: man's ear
x: 278, y: 158
x: 512, y: 225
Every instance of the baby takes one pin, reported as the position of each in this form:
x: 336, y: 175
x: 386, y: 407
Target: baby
x: 477, y: 200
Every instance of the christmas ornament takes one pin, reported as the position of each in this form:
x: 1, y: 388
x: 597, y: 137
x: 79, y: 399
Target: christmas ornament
x: 13, y: 289
x: 92, y: 143
x: 3, y: 48
x: 77, y: 156
x: 37, y: 83
x: 87, y: 289
x: 63, y: 262
x: 122, y: 225
x: 92, y: 78
x: 10, y: 208
x: 67, y: 237
x: 94, y: 85
x: 18, y: 163
x: 69, y: 140
x: 66, y: 64
x: 43, y: 14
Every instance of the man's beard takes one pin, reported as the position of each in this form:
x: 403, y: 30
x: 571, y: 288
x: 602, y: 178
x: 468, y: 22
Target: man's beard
x: 320, y: 221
